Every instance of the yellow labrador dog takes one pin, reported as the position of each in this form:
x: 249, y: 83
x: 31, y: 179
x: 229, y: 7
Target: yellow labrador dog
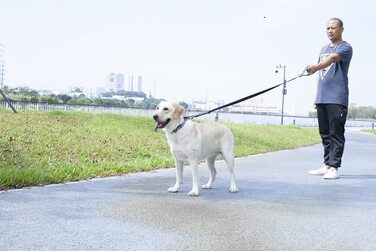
x: 191, y: 142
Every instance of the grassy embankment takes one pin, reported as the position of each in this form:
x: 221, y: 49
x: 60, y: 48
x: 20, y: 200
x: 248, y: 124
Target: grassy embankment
x: 38, y: 148
x: 370, y: 131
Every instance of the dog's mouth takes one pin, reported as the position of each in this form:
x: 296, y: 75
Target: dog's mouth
x: 161, y: 125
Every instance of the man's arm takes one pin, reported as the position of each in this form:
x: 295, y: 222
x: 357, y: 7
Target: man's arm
x: 332, y: 58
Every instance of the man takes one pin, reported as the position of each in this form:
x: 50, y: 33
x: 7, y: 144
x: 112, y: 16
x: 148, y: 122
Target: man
x: 332, y: 97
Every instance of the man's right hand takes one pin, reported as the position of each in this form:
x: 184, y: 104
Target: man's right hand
x: 311, y: 69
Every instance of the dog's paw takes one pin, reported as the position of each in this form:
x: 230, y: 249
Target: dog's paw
x: 173, y: 189
x: 233, y: 190
x: 206, y: 186
x: 193, y: 193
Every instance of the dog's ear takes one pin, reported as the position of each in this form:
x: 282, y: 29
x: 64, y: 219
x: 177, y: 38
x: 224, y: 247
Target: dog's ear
x: 179, y: 110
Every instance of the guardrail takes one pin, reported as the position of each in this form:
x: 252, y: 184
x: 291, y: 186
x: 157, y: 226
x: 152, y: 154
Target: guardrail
x: 241, y: 118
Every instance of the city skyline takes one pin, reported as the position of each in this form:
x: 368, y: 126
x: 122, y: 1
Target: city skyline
x: 185, y: 50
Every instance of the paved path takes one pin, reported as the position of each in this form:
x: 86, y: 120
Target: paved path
x: 279, y: 207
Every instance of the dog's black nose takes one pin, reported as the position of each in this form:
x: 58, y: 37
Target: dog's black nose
x: 155, y: 117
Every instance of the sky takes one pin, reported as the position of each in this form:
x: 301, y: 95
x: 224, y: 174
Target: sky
x: 185, y: 49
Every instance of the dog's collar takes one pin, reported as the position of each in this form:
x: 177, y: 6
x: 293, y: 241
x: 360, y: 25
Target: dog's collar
x: 180, y: 126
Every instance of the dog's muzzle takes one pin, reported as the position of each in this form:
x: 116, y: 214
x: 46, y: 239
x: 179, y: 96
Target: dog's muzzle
x: 159, y: 124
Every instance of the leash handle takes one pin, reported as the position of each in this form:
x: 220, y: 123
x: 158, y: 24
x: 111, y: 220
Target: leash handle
x: 304, y: 72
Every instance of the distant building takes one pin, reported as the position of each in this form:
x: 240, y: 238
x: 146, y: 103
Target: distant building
x: 255, y: 108
x: 261, y: 108
x: 94, y: 92
x: 205, y: 106
x: 118, y: 97
x: 45, y: 92
x: 89, y: 92
x: 75, y: 93
x: 115, y: 82
x: 119, y: 83
x: 139, y: 83
x: 77, y: 89
x: 130, y: 83
x: 123, y: 98
x: 99, y: 90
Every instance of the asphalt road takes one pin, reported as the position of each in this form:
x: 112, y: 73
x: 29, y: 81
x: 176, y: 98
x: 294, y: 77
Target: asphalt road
x: 279, y: 207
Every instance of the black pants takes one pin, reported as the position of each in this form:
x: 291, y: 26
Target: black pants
x: 332, y: 119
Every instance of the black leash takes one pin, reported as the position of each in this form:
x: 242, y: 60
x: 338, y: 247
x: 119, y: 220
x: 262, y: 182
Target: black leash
x: 304, y: 73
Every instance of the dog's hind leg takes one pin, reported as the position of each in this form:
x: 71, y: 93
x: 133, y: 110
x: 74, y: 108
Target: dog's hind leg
x: 229, y: 158
x: 210, y: 162
x: 179, y: 176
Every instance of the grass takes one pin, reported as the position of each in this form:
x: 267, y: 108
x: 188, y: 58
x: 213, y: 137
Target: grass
x: 38, y: 148
x: 370, y: 131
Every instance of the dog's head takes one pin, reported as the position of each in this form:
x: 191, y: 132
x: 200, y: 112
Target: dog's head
x: 166, y: 112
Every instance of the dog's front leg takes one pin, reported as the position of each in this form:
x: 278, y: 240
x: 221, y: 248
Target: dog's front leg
x: 194, y: 191
x: 179, y: 165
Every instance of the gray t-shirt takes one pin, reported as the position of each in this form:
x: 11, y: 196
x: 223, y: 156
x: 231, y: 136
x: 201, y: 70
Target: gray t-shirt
x: 333, y: 82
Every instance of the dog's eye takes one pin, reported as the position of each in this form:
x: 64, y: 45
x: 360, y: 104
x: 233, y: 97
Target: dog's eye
x: 157, y: 108
x: 165, y: 109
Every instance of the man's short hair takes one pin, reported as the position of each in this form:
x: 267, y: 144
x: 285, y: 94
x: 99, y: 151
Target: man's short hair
x: 338, y: 20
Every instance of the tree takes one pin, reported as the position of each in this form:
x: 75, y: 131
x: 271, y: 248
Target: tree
x: 82, y: 99
x: 64, y: 98
x: 9, y: 90
x: 130, y: 102
x: 26, y: 91
x: 50, y: 99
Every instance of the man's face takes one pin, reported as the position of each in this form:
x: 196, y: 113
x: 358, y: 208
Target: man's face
x: 333, y: 30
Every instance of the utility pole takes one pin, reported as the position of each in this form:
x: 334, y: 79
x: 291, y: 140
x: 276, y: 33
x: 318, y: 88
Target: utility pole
x: 2, y: 63
x: 284, y: 90
x: 1, y: 66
